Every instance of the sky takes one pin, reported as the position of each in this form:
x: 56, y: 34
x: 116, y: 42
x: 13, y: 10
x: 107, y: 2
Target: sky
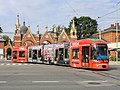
x: 59, y: 12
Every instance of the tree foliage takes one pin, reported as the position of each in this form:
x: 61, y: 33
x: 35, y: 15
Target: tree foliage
x: 59, y: 30
x: 85, y: 26
x: 6, y: 38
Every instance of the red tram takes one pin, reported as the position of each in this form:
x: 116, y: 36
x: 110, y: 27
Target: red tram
x: 89, y: 53
x: 20, y: 54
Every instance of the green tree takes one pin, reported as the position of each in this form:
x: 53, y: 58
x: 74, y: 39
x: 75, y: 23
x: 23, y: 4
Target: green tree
x: 59, y: 30
x: 6, y: 38
x: 85, y: 26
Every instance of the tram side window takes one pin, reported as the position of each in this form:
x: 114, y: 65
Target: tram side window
x: 66, y: 53
x: 61, y: 53
x: 34, y: 54
x: 30, y: 53
x: 56, y: 53
x: 21, y: 53
x: 39, y: 53
x: 14, y: 54
x: 75, y: 53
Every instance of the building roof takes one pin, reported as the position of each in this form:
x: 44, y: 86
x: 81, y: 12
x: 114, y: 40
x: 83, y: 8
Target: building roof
x: 111, y: 28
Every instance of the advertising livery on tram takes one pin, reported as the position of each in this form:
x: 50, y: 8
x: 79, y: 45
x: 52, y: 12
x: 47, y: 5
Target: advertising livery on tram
x: 86, y: 53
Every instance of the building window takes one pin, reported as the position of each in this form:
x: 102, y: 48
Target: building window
x: 14, y: 54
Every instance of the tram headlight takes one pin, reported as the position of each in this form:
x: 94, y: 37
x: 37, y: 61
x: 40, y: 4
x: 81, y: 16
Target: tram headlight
x: 98, y: 65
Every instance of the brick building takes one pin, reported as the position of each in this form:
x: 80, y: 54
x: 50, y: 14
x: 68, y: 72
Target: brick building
x: 1, y: 47
x: 24, y: 37
x: 109, y: 35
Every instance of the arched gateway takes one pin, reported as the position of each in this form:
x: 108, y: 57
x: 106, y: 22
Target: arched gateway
x: 24, y: 37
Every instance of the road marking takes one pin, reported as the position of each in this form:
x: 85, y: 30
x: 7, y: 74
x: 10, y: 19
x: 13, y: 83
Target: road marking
x: 31, y: 64
x: 8, y: 64
x: 14, y: 64
x: 19, y: 64
x: 3, y: 81
x: 2, y: 64
x: 45, y: 81
x: 25, y: 64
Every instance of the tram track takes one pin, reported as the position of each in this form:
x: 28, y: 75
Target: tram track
x: 111, y: 78
x: 108, y: 75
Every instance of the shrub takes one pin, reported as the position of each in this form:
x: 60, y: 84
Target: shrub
x: 113, y: 58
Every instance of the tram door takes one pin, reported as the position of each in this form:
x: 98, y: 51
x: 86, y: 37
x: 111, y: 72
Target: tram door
x: 85, y: 56
x: 29, y: 55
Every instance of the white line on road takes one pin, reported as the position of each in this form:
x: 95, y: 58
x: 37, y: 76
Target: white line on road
x: 8, y: 64
x: 3, y: 81
x: 2, y: 64
x: 19, y: 64
x: 31, y: 64
x: 14, y: 64
x: 25, y: 64
x: 45, y: 81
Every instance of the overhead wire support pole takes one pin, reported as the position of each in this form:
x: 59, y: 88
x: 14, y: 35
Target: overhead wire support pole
x: 99, y: 30
x: 117, y: 27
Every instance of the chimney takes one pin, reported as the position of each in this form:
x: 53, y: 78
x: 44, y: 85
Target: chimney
x: 117, y: 24
x: 112, y: 25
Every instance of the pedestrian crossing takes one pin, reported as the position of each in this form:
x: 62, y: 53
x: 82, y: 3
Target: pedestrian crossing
x: 15, y: 64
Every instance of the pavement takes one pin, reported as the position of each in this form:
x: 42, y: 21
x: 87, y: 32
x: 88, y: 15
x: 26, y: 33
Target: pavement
x: 114, y: 62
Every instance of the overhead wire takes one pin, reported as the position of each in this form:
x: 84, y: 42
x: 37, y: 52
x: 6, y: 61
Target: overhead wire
x: 71, y: 7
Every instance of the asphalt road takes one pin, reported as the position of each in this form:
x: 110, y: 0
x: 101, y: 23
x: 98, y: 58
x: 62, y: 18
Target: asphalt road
x: 27, y: 76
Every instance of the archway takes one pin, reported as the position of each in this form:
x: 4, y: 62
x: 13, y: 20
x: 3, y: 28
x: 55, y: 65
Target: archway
x: 46, y: 42
x: 28, y: 43
x: 8, y: 54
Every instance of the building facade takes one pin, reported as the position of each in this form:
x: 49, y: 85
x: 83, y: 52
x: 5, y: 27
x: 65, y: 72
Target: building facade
x: 24, y: 37
x: 109, y: 35
x: 1, y: 47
